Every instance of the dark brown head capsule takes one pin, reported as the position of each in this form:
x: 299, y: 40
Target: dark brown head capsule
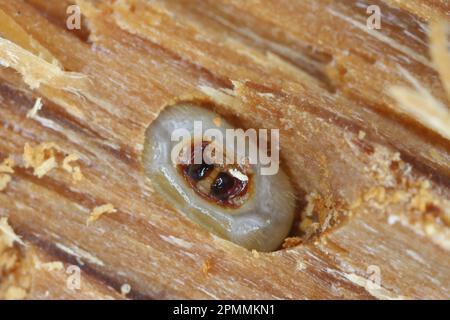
x: 215, y: 182
x: 226, y: 187
x: 197, y: 172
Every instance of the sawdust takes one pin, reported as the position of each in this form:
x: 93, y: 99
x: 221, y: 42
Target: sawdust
x: 34, y: 111
x: 99, y: 211
x: 43, y: 159
x: 14, y: 280
x: 411, y: 202
x: 74, y: 170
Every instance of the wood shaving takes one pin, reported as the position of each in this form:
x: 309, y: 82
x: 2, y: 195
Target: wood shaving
x: 97, y: 212
x: 7, y: 234
x: 318, y: 215
x: 420, y: 209
x: 439, y: 52
x: 361, y: 135
x: 291, y: 242
x: 41, y: 158
x: 37, y: 106
x: 50, y: 266
x: 46, y: 166
x: 74, y: 170
x: 446, y: 217
x: 6, y: 168
x: 419, y: 102
x: 12, y: 30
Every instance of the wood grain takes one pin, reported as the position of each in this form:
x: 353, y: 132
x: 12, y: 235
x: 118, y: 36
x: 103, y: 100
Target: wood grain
x: 306, y: 67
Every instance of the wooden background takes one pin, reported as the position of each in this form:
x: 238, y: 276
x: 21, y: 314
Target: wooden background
x: 310, y: 68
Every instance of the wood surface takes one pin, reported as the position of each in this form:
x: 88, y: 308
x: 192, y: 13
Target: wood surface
x: 376, y: 180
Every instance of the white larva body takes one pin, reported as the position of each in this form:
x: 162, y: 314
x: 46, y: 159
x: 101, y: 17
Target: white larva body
x: 261, y: 223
